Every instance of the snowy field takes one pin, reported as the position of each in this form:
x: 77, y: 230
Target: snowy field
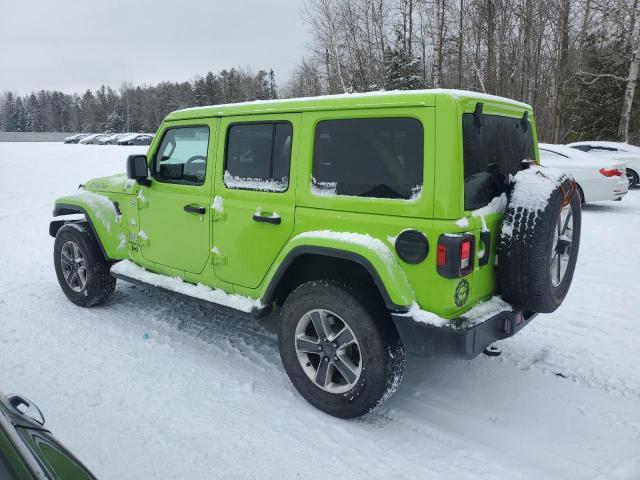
x: 153, y: 386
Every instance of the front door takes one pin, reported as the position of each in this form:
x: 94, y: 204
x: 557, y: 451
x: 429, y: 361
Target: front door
x: 254, y: 200
x: 174, y: 210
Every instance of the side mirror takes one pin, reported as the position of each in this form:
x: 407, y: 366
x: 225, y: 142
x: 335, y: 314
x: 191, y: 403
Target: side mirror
x: 137, y: 169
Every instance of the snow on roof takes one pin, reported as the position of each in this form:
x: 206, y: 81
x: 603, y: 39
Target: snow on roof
x: 378, y: 93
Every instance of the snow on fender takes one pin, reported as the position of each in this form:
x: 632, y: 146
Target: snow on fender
x: 539, y: 240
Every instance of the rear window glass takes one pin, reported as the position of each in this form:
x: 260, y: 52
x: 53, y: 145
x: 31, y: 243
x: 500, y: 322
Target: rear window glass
x: 494, y: 148
x: 368, y: 157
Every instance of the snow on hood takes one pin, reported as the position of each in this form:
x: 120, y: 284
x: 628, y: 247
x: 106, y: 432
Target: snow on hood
x: 112, y: 184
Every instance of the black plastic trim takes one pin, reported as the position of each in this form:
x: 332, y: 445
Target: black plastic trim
x: 485, y: 236
x: 66, y: 209
x: 457, y: 340
x: 269, y: 293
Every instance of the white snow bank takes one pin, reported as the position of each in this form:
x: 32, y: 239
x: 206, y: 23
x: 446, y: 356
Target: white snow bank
x: 175, y: 284
x: 481, y: 312
x: 255, y: 183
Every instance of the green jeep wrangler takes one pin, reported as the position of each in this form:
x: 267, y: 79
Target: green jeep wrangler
x: 372, y: 224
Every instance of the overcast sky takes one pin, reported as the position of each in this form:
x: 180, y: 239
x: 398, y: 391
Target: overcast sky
x: 72, y: 45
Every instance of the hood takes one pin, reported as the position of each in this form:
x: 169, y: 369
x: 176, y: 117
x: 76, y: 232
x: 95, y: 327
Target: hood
x: 113, y: 184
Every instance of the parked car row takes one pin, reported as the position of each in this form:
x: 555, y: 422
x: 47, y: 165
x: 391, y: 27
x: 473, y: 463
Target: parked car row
x: 111, y: 138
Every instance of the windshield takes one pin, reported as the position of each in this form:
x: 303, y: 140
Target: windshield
x: 494, y: 148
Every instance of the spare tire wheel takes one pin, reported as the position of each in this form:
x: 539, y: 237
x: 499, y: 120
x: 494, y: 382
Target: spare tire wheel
x: 539, y: 241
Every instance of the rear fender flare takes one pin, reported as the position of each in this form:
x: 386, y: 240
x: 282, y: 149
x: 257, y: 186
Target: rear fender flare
x: 377, y: 259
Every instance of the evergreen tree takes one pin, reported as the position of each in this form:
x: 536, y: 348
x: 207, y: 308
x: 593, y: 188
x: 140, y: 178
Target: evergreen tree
x: 594, y: 103
x: 401, y: 69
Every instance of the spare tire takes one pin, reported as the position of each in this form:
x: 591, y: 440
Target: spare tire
x: 539, y: 241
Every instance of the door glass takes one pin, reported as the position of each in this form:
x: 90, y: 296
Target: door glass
x: 182, y: 156
x: 258, y: 156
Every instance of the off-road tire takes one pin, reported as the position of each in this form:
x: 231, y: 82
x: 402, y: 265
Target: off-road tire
x: 382, y: 353
x: 524, y: 258
x: 100, y: 285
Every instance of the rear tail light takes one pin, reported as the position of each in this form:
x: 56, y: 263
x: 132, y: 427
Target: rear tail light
x: 455, y: 255
x: 465, y: 254
x: 610, y: 172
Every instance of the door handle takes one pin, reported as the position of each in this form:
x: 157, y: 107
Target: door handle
x: 485, y: 236
x: 271, y: 220
x: 195, y: 209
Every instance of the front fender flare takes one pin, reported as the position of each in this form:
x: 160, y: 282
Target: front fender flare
x: 102, y: 216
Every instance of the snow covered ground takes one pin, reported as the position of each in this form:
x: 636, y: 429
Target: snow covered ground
x: 153, y: 385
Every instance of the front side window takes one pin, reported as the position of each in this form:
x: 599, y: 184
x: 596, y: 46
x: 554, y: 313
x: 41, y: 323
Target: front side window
x: 368, y: 157
x: 182, y: 156
x: 494, y: 148
x: 258, y: 156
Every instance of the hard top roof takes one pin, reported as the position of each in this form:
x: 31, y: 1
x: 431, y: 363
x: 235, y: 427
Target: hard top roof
x: 347, y: 100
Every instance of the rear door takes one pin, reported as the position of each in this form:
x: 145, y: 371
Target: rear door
x: 254, y: 201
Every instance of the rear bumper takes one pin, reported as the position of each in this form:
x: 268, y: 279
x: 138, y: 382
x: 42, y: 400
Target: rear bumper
x: 458, y: 340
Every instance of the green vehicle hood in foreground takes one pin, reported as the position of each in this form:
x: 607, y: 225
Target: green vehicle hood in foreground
x: 29, y: 451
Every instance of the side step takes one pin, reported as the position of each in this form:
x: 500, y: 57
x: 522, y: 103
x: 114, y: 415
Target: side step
x: 230, y: 304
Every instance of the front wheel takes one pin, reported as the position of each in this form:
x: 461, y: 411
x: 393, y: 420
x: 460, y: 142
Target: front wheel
x: 82, y: 271
x: 339, y: 348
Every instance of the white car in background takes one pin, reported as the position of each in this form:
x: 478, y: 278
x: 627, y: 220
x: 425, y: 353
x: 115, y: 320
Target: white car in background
x: 598, y: 178
x: 629, y: 154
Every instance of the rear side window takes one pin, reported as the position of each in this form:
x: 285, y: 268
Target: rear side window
x: 494, y: 148
x: 258, y: 156
x: 182, y: 156
x: 368, y: 157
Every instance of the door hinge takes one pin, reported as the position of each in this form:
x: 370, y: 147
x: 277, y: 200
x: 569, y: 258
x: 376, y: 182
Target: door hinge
x: 217, y: 258
x: 141, y: 239
x: 141, y: 201
x: 217, y: 216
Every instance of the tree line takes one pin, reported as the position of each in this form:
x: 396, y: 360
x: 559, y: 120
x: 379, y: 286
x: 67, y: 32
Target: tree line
x: 574, y: 61
x: 131, y: 109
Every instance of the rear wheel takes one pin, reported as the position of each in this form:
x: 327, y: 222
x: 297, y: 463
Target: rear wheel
x: 82, y: 271
x: 633, y: 178
x: 339, y: 348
